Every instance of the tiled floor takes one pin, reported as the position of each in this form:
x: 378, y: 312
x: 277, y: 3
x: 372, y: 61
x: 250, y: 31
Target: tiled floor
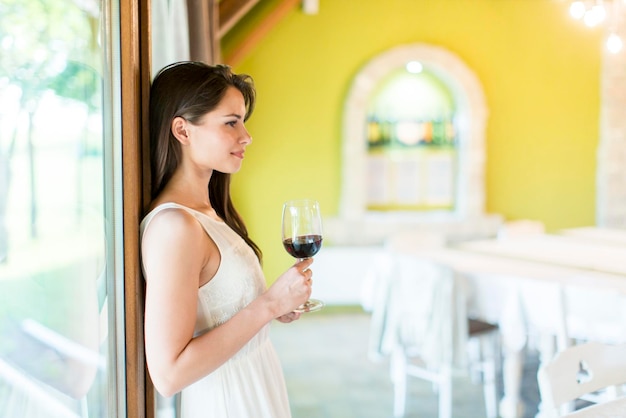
x: 329, y: 374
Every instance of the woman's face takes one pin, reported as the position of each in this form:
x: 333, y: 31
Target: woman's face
x: 218, y: 141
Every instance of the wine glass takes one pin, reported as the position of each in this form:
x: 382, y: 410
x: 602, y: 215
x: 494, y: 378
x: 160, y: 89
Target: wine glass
x: 302, y: 236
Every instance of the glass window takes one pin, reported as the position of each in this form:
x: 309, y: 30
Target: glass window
x: 411, y: 142
x: 55, y: 262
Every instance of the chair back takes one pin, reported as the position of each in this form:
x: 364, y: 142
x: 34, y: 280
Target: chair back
x: 422, y: 311
x: 520, y: 228
x: 579, y: 370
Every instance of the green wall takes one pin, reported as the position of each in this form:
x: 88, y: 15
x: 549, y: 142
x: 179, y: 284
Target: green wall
x: 540, y: 71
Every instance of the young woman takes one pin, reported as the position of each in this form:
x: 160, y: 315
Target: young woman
x: 207, y: 310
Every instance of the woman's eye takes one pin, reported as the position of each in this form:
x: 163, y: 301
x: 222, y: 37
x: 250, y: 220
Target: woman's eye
x: 231, y: 123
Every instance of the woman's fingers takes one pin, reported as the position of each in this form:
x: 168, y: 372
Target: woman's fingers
x: 289, y: 317
x: 303, y: 265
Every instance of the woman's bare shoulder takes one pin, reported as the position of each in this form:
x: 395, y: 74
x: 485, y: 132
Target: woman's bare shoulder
x: 173, y: 222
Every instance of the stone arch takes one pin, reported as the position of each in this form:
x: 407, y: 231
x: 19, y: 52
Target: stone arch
x: 472, y: 115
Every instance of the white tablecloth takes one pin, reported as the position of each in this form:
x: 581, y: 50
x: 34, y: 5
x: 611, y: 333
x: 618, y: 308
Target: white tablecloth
x: 555, y: 249
x: 526, y: 299
x: 610, y: 236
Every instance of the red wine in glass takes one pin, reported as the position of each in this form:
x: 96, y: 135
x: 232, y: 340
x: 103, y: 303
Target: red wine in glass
x: 304, y: 246
x: 302, y: 236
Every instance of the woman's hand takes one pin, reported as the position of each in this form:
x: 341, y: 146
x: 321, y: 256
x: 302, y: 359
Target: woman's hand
x: 290, y: 290
x: 290, y: 317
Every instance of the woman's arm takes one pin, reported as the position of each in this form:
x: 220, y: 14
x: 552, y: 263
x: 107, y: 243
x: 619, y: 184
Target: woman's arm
x: 176, y: 251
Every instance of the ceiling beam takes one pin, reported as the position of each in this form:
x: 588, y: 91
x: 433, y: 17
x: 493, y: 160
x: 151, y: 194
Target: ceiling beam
x: 261, y: 30
x: 231, y: 11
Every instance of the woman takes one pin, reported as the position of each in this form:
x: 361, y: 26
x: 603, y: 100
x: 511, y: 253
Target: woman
x: 207, y: 310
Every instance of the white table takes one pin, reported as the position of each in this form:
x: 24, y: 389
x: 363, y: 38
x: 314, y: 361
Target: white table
x: 607, y: 236
x: 610, y: 409
x: 525, y: 298
x: 555, y: 249
x: 522, y: 296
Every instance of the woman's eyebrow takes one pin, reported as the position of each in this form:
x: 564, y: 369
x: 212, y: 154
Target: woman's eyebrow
x: 235, y: 115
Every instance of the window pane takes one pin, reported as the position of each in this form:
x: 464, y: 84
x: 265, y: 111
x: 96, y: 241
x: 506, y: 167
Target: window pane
x: 54, y: 357
x: 411, y: 143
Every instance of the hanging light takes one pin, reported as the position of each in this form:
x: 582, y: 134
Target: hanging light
x: 594, y: 13
x: 414, y: 67
x: 595, y: 16
x: 614, y: 43
x: 577, y: 9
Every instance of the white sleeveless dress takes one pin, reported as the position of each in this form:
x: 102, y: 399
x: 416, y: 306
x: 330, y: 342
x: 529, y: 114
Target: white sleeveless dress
x: 251, y: 384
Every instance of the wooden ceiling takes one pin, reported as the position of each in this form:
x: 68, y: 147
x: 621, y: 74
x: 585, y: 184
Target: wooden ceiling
x: 232, y: 11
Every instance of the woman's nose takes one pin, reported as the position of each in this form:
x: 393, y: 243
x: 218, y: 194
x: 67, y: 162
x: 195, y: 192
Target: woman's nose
x: 246, y: 138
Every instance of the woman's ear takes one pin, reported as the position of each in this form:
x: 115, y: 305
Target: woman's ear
x: 179, y: 130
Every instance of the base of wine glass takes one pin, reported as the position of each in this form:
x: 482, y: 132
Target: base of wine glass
x: 310, y: 305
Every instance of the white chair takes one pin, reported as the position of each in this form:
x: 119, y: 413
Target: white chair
x: 420, y: 322
x: 520, y: 228
x: 578, y: 371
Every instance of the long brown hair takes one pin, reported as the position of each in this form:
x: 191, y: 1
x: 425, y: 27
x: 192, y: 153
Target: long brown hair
x: 190, y: 90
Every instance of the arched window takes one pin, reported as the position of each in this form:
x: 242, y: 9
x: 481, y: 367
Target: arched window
x: 411, y: 143
x: 413, y: 147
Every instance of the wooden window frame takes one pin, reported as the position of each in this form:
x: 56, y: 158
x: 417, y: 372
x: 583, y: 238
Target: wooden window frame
x: 135, y: 85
